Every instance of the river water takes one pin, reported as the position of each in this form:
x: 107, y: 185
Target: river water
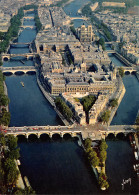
x: 60, y: 167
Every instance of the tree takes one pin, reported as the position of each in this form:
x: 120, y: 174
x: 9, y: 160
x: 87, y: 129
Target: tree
x: 14, y: 154
x: 2, y: 141
x: 103, y: 181
x: 4, y: 100
x: 12, y: 142
x: 114, y: 103
x: 105, y: 116
x: 1, y: 61
x: 11, y: 171
x: 88, y: 102
x: 103, y: 155
x: 121, y: 71
x: 88, y: 143
x: 103, y: 145
x: 63, y: 108
x: 101, y: 42
x: 94, y: 160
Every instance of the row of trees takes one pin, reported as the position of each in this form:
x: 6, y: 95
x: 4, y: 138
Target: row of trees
x: 114, y: 102
x: 63, y: 108
x: 4, y: 101
x: 12, y: 31
x: 60, y: 3
x: 106, y: 116
x: 72, y: 28
x: 8, y: 169
x: 101, y: 42
x: 98, y: 159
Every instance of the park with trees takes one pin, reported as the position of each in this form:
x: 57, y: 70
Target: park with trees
x: 97, y: 158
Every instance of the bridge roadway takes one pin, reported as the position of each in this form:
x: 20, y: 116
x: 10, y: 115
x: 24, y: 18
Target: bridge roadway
x: 129, y: 69
x: 13, y: 70
x: 28, y: 17
x: 82, y: 18
x: 25, y: 26
x: 95, y: 132
x: 20, y: 43
x: 26, y: 55
x: 111, y: 51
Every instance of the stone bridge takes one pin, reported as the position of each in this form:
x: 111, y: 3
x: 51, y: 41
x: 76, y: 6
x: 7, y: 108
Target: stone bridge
x: 73, y: 130
x: 111, y: 51
x: 25, y: 26
x: 28, y: 17
x: 116, y: 129
x: 39, y: 130
x: 29, y: 10
x: 129, y: 69
x: 13, y: 70
x: 29, y: 43
x: 81, y: 18
x: 9, y: 56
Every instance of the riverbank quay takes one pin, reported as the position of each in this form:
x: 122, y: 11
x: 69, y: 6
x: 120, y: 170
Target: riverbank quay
x: 51, y: 101
x: 67, y: 3
x: 119, y: 94
x: 6, y: 93
x: 137, y: 75
x: 19, y: 183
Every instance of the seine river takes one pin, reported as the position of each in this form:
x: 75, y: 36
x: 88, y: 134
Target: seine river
x: 59, y: 166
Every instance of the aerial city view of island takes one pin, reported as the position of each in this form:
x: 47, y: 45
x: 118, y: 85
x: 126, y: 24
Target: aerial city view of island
x: 69, y: 97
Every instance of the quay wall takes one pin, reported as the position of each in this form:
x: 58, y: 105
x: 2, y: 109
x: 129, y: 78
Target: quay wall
x: 119, y: 96
x: 137, y: 75
x: 51, y: 101
x: 20, y: 183
x: 122, y: 59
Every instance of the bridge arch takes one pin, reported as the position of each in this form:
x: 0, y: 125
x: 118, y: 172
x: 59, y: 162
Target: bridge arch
x: 7, y: 73
x: 133, y: 72
x: 110, y: 136
x: 56, y: 136
x: 120, y: 136
x: 44, y: 137
x: 31, y: 72
x: 19, y: 72
x: 22, y: 138
x: 127, y: 72
x: 67, y: 136
x: 5, y: 58
x: 32, y: 137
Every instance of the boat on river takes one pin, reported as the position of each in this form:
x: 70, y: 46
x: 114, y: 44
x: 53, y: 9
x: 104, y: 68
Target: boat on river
x: 22, y: 84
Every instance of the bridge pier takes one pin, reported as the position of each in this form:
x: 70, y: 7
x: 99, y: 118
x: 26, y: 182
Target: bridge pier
x: 50, y: 134
x: 61, y: 134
